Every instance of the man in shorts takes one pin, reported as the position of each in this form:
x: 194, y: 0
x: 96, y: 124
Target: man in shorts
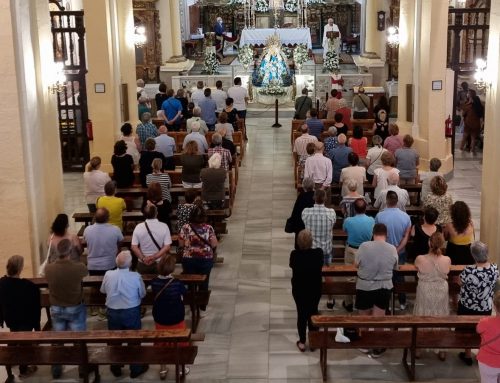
x: 375, y: 261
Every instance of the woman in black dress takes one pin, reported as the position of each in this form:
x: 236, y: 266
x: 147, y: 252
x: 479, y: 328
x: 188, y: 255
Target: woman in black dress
x: 232, y: 113
x: 306, y: 265
x: 304, y: 199
x: 123, y: 165
x: 421, y: 233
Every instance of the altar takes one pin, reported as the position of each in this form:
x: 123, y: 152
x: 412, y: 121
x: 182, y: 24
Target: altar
x: 287, y: 36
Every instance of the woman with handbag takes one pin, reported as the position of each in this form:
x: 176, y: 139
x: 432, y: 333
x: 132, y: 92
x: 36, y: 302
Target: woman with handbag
x: 168, y: 305
x: 199, y: 244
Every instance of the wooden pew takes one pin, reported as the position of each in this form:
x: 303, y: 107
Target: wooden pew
x: 93, y: 297
x: 416, y: 211
x: 99, y: 347
x: 127, y: 216
x: 401, y: 332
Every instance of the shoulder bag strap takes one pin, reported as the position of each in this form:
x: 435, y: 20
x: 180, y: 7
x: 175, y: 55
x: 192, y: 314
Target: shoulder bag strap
x: 363, y: 101
x: 200, y: 237
x: 163, y: 288
x: 301, y: 105
x: 151, y: 235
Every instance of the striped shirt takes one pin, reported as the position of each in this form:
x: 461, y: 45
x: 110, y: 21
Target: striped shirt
x: 164, y: 180
x: 320, y: 220
x: 301, y: 142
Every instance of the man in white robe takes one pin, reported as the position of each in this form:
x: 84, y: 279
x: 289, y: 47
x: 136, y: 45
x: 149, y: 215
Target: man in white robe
x: 330, y: 27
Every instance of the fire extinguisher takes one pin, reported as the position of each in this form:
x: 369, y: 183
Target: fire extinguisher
x: 448, y: 127
x: 90, y: 131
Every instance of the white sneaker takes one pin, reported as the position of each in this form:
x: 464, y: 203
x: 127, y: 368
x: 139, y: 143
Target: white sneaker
x: 340, y: 337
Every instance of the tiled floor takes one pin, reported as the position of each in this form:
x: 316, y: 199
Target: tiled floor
x: 250, y: 322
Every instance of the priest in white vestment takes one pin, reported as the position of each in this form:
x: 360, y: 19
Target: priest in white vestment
x: 330, y: 27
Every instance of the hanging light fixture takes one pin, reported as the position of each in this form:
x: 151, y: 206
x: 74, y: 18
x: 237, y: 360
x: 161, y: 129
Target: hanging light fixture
x: 393, y: 36
x: 481, y: 75
x: 140, y: 38
x: 59, y: 81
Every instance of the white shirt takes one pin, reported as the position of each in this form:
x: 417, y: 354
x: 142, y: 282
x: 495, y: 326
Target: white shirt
x: 238, y: 94
x: 141, y: 237
x: 219, y: 96
x: 197, y: 96
x: 357, y: 173
x: 329, y: 28
x: 319, y: 168
x: 301, y: 142
x: 403, y: 198
x: 375, y: 156
x: 94, y: 182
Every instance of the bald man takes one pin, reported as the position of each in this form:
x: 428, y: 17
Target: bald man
x: 124, y: 291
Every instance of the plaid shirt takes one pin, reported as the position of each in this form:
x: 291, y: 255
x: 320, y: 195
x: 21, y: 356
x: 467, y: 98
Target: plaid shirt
x: 225, y: 156
x: 145, y: 131
x: 320, y: 220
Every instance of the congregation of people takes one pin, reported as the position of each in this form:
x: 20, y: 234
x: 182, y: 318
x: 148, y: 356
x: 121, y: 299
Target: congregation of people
x: 333, y: 165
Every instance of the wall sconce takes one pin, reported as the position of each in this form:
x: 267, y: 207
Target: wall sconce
x: 140, y: 38
x: 59, y: 79
x: 393, y: 36
x: 481, y: 76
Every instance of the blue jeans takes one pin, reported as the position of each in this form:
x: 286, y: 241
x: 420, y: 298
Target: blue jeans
x: 125, y: 319
x: 71, y: 318
x: 198, y: 266
x: 400, y: 278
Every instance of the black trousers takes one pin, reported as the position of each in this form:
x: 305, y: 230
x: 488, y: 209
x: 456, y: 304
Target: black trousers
x: 306, y: 306
x: 22, y: 367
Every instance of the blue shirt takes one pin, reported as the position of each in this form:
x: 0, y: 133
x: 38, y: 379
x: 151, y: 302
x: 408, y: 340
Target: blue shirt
x: 359, y: 229
x: 165, y: 145
x: 208, y: 109
x: 397, y: 223
x: 124, y: 289
x: 102, y: 245
x: 339, y: 159
x: 315, y: 127
x: 171, y: 107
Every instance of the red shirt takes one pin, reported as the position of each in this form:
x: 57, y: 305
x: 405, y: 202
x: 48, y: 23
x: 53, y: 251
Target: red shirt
x: 358, y: 146
x: 489, y: 328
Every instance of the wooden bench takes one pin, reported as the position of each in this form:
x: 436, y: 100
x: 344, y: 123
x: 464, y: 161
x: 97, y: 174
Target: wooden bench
x: 128, y: 216
x: 401, y: 332
x: 371, y: 211
x: 334, y: 286
x: 194, y: 298
x: 100, y: 347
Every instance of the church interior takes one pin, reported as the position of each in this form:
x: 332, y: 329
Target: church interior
x: 78, y: 70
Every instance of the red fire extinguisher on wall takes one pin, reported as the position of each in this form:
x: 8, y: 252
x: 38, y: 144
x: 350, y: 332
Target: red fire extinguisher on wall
x: 90, y: 131
x: 448, y: 127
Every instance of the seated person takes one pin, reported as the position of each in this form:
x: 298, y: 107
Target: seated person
x: 115, y: 205
x: 196, y: 118
x: 213, y: 179
x: 314, y: 124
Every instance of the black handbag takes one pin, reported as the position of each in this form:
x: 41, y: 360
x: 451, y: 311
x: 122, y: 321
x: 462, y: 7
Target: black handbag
x: 289, y: 226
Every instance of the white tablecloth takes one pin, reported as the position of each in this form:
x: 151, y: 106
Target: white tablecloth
x: 287, y: 36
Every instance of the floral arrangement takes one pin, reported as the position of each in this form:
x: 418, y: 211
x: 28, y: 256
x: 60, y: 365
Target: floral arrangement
x: 237, y: 2
x: 332, y: 62
x: 211, y: 65
x: 300, y: 54
x: 261, y: 6
x: 245, y: 55
x: 273, y: 89
x: 292, y: 5
x: 288, y: 52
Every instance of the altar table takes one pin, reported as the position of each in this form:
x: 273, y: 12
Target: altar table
x: 287, y: 36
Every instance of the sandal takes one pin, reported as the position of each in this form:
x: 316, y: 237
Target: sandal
x: 301, y: 348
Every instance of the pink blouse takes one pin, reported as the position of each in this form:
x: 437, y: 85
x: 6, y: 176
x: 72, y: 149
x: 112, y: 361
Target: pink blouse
x: 489, y: 328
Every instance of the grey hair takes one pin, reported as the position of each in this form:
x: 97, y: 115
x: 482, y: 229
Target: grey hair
x: 352, y: 184
x: 308, y: 184
x: 332, y: 131
x: 479, y: 251
x: 124, y: 259
x: 393, y: 179
x: 376, y: 139
x: 140, y: 83
x: 146, y: 117
x: 216, y: 139
x: 195, y: 126
x: 214, y: 161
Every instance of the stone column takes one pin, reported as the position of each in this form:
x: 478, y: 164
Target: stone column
x: 175, y: 28
x: 419, y: 65
x: 371, y: 36
x: 110, y: 29
x: 490, y: 201
x: 30, y: 155
x: 163, y: 8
